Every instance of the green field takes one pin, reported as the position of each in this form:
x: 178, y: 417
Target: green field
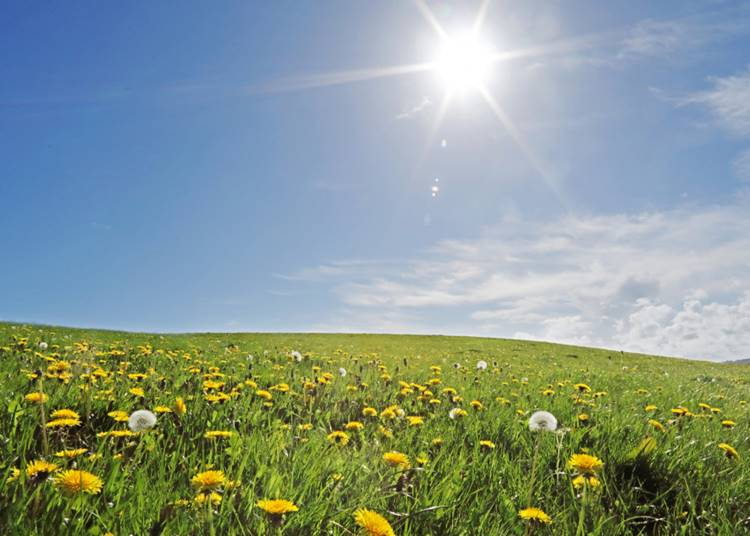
x: 281, y: 410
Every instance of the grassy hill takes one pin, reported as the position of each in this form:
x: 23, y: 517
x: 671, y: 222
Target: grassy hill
x: 309, y: 417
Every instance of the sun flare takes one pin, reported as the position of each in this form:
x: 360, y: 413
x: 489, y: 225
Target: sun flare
x: 464, y: 62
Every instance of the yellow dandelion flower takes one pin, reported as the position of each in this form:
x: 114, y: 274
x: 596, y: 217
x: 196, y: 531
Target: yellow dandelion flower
x: 266, y: 395
x: 397, y: 459
x: 389, y: 412
x: 457, y: 413
x: 15, y: 474
x: 535, y: 515
x: 179, y: 406
x: 119, y: 416
x: 281, y: 387
x: 729, y: 451
x: 211, y: 385
x: 116, y: 433
x: 277, y: 507
x: 476, y: 404
x: 656, y: 424
x: 583, y: 418
x: 415, y: 420
x: 74, y: 481
x: 354, y: 425
x: 36, y: 398
x: 137, y: 391
x: 63, y: 423
x: 207, y: 497
x: 728, y: 424
x: 232, y: 484
x: 373, y: 523
x: 580, y: 481
x: 217, y: 398
x: 64, y: 414
x: 487, y: 444
x: 162, y: 409
x: 208, y: 480
x: 680, y: 412
x: 338, y: 437
x: 585, y: 464
x: 40, y: 469
x: 437, y: 441
x: 218, y: 434
x: 385, y: 432
x: 650, y: 407
x: 582, y: 387
x: 369, y: 412
x: 70, y: 454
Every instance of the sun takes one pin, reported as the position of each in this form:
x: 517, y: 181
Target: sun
x: 464, y: 62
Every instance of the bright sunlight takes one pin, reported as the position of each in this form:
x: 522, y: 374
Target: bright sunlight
x: 464, y: 62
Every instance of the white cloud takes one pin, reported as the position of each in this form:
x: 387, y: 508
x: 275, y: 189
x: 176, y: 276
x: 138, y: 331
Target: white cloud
x: 729, y: 101
x: 697, y: 328
x: 673, y: 282
x: 676, y: 38
x: 655, y: 38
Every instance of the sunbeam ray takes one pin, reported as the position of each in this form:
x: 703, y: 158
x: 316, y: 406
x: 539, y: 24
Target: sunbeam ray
x: 340, y: 77
x: 538, y: 165
x: 559, y: 47
x: 481, y: 15
x: 429, y: 16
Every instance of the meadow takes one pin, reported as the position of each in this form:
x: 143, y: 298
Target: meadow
x: 364, y: 434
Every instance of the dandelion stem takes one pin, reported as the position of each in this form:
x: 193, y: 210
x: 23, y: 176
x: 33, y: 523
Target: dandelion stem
x: 43, y: 417
x: 533, y: 469
x: 581, y: 530
x: 559, y: 441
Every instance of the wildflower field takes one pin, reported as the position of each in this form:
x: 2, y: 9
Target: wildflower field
x: 119, y: 433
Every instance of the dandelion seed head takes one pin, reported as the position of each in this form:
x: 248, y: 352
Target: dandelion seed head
x: 542, y: 421
x: 141, y: 420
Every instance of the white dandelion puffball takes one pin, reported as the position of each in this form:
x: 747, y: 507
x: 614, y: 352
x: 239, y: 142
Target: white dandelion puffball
x: 297, y: 356
x: 342, y: 371
x: 456, y: 365
x: 42, y: 346
x: 141, y: 420
x: 481, y: 364
x: 542, y: 421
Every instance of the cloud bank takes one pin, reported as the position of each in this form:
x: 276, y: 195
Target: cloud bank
x: 672, y: 283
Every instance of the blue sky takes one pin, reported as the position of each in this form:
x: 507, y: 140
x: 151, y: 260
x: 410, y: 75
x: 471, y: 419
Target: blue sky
x: 179, y: 167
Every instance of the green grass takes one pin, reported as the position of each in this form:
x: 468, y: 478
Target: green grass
x: 685, y: 485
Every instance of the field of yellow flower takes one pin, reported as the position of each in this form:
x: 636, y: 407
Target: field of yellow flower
x: 119, y: 433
